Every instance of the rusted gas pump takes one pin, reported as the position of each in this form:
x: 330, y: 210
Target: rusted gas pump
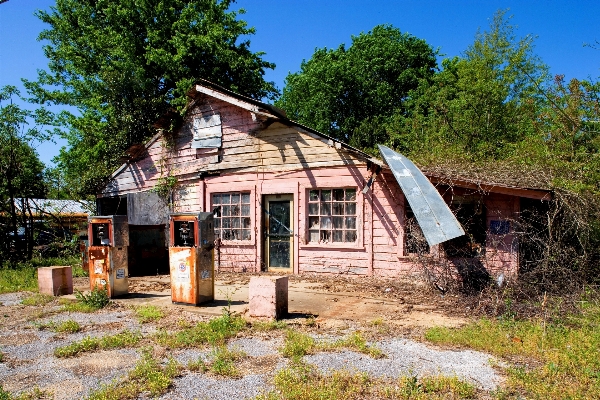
x: 191, y: 244
x: 107, y: 253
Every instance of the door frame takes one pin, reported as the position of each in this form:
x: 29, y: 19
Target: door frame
x: 267, y: 198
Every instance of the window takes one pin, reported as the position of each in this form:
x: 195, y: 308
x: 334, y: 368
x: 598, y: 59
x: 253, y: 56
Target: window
x: 332, y: 216
x: 232, y: 215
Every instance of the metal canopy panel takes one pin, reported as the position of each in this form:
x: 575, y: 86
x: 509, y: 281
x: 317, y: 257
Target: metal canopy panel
x: 433, y: 215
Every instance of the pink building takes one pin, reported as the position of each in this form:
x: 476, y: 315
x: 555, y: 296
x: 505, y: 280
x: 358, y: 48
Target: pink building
x: 290, y: 199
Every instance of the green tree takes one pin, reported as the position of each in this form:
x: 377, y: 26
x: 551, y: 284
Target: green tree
x: 125, y: 63
x: 347, y: 92
x: 21, y: 172
x: 481, y: 105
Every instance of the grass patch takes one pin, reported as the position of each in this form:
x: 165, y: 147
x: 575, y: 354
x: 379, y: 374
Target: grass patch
x: 267, y: 326
x: 87, y: 344
x: 148, y: 313
x: 148, y: 376
x: 197, y: 365
x: 224, y: 361
x: 37, y: 299
x: 304, y: 381
x: 298, y: 344
x: 68, y: 326
x: 22, y: 276
x: 35, y: 394
x: 215, y: 332
x: 567, y: 351
x: 1, y: 357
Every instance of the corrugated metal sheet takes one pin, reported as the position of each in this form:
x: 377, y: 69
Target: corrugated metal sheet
x: 433, y: 215
x: 207, y: 132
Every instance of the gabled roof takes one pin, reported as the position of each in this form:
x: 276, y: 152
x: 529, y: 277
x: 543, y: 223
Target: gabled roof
x: 270, y: 112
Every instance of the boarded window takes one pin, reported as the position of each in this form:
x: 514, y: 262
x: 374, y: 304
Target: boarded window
x: 232, y: 215
x: 207, y: 131
x: 332, y: 216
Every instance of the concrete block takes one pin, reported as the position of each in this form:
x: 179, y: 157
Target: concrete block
x: 268, y: 296
x: 55, y: 281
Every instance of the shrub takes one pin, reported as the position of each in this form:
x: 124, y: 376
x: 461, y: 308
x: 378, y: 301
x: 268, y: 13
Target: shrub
x: 97, y: 299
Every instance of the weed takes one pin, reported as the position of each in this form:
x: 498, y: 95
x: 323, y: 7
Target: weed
x: 266, y: 326
x: 96, y: 299
x: 303, y: 381
x: 148, y: 313
x: 216, y: 331
x: 310, y: 321
x: 87, y: 344
x: 429, y: 387
x: 197, y: 366
x: 568, y: 351
x: 147, y: 376
x: 1, y: 357
x: 37, y: 299
x: 297, y: 344
x: 356, y: 342
x: 35, y: 394
x: 68, y: 326
x: 224, y: 359
x: 76, y: 306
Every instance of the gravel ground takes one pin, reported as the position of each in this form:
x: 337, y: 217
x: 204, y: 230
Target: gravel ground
x: 29, y: 359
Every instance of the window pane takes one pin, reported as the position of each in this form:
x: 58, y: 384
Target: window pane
x: 314, y: 236
x: 338, y: 208
x: 246, y: 222
x: 325, y: 208
x: 325, y: 195
x: 350, y: 208
x: 225, y: 198
x: 246, y: 234
x: 338, y: 222
x: 217, y: 233
x: 235, y: 210
x: 246, y: 198
x: 350, y: 194
x: 246, y: 209
x: 217, y: 223
x: 325, y: 222
x: 338, y: 236
x: 338, y: 194
x: 216, y: 199
x: 226, y: 235
x: 313, y: 209
x: 235, y: 222
x: 235, y: 198
x: 313, y: 223
x: 314, y: 195
x: 350, y: 222
x: 225, y: 211
x: 236, y: 234
x: 325, y: 236
x: 226, y: 223
x: 350, y: 236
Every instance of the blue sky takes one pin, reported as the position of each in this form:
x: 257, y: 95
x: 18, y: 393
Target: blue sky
x: 289, y: 31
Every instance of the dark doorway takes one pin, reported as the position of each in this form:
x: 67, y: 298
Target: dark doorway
x: 148, y: 254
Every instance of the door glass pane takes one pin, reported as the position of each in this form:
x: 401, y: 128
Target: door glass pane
x: 279, y: 252
x: 279, y: 218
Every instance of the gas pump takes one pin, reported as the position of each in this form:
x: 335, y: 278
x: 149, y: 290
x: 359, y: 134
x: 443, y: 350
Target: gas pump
x: 191, y: 244
x: 107, y: 253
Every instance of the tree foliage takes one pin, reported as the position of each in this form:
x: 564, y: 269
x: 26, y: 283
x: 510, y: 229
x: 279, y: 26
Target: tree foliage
x: 339, y: 90
x: 21, y: 172
x: 482, y: 104
x: 124, y: 63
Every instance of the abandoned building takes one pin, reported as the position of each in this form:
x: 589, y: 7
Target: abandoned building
x: 287, y: 198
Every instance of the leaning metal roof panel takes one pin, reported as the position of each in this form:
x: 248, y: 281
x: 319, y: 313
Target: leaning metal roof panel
x: 433, y: 215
